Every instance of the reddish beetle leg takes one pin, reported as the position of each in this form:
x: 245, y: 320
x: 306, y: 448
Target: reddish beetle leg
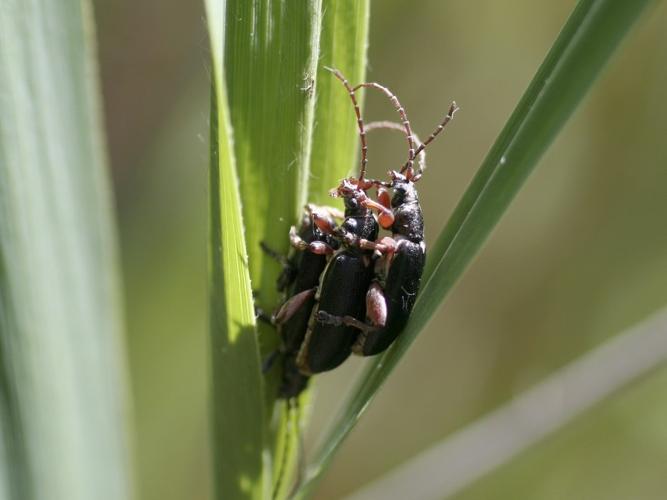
x: 316, y: 247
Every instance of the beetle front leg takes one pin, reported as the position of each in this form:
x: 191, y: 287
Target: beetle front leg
x: 385, y: 215
x: 384, y: 246
x: 316, y: 247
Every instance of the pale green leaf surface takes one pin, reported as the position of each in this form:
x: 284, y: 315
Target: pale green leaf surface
x: 270, y: 58
x: 62, y: 387
x: 335, y: 135
x: 237, y: 385
x: 586, y: 42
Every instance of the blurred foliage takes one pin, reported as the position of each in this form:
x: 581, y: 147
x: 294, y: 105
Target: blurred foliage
x: 580, y: 255
x: 63, y: 385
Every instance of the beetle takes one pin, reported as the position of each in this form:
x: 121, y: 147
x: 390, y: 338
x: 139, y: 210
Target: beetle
x: 348, y: 275
x: 343, y: 282
x: 298, y: 282
x: 342, y: 287
x: 401, y: 257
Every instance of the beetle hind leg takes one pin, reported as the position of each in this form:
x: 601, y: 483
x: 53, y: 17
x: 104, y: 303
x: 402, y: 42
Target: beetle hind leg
x: 329, y: 319
x: 291, y: 306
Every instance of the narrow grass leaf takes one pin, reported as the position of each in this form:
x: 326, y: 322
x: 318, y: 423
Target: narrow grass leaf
x: 454, y: 463
x: 343, y: 44
x: 62, y: 385
x: 270, y: 59
x: 586, y: 42
x: 237, y: 387
x: 271, y: 51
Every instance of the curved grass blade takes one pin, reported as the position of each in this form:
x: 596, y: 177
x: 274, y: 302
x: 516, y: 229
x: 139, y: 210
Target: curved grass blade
x: 454, y: 463
x: 62, y: 387
x: 270, y: 57
x: 238, y: 410
x: 343, y: 44
x: 586, y: 42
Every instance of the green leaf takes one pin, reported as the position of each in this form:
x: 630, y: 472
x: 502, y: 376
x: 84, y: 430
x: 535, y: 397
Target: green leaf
x: 62, y: 386
x: 238, y: 409
x: 267, y: 55
x: 270, y: 57
x: 588, y: 39
x: 335, y: 137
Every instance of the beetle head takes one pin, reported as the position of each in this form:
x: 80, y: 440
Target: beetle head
x: 353, y: 195
x: 404, y: 189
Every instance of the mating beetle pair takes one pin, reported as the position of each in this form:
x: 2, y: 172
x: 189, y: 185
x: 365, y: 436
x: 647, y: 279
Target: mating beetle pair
x: 346, y: 290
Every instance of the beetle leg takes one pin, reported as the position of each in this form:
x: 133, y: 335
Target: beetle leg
x: 320, y: 248
x: 376, y: 305
x: 384, y: 198
x: 262, y: 315
x: 269, y: 361
x: 376, y: 313
x: 317, y: 247
x: 323, y: 223
x: 292, y: 305
x: 329, y: 319
x: 385, y: 246
x: 274, y: 254
x: 385, y: 215
x: 332, y: 212
x: 295, y: 240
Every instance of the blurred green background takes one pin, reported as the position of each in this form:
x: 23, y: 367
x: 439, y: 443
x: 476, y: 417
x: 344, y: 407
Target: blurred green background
x: 581, y: 254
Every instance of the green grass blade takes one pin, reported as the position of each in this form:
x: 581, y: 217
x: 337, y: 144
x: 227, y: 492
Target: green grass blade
x: 588, y: 39
x: 335, y: 137
x: 601, y: 373
x: 271, y: 51
x: 238, y: 410
x: 62, y: 387
x: 270, y: 57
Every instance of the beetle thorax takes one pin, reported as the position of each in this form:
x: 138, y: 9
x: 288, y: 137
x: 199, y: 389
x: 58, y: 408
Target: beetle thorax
x: 408, y: 221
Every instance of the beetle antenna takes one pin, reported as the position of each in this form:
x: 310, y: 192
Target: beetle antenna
x: 453, y: 108
x: 420, y: 157
x: 360, y: 121
x: 401, y: 112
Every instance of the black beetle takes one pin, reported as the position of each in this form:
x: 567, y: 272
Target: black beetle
x: 342, y: 287
x: 398, y: 269
x: 339, y: 287
x: 298, y: 282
